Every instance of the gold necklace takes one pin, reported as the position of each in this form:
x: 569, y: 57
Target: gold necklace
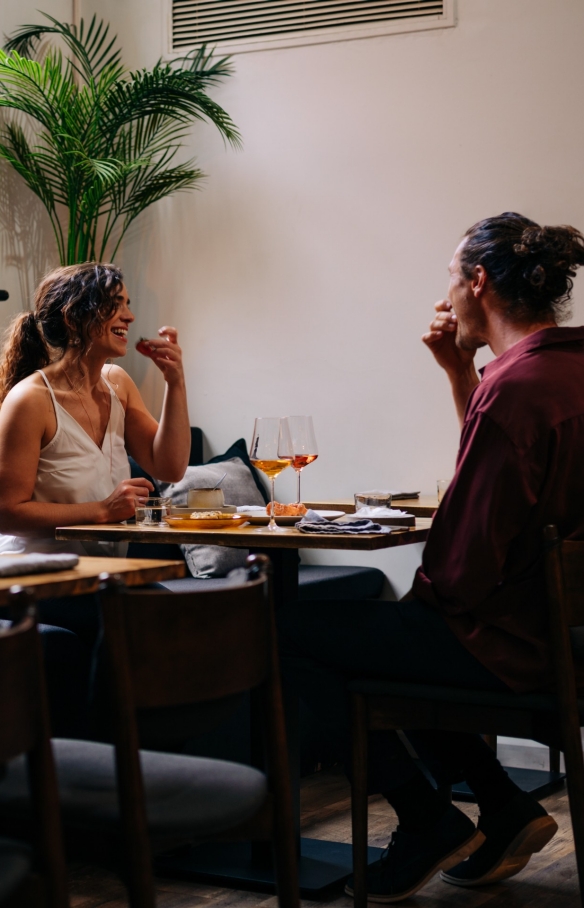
x: 76, y: 391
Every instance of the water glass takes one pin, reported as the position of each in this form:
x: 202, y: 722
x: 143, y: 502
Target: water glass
x: 441, y: 486
x: 152, y: 512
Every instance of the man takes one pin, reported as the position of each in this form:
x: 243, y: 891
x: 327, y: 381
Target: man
x: 478, y: 613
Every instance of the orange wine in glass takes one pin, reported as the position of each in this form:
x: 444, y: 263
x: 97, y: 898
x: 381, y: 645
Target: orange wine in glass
x: 304, y: 448
x: 271, y: 452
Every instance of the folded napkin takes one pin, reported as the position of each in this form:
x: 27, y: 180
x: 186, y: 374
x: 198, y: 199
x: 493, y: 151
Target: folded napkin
x: 314, y: 523
x: 36, y: 563
x: 370, y: 511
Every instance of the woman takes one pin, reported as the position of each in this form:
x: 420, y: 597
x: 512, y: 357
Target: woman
x: 67, y: 419
x: 67, y: 424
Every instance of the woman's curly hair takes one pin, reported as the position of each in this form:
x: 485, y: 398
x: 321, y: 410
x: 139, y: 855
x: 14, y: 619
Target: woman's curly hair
x: 531, y: 268
x: 70, y: 306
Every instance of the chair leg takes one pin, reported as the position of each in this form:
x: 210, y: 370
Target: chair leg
x: 575, y: 777
x: 359, y: 799
x: 554, y: 760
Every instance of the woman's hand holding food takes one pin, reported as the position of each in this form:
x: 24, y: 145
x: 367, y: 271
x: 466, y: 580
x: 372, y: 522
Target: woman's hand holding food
x: 121, y: 504
x: 165, y: 352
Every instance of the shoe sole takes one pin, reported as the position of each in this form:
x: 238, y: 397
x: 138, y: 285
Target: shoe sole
x: 530, y: 840
x: 461, y: 853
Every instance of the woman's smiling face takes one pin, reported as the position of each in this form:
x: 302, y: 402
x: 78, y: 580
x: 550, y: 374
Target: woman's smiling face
x: 113, y: 333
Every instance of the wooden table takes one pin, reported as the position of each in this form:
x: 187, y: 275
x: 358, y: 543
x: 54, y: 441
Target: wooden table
x: 282, y: 547
x: 84, y: 578
x: 424, y: 506
x: 322, y: 863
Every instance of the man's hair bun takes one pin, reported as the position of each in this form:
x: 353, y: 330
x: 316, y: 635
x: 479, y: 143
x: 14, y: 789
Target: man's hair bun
x: 532, y: 268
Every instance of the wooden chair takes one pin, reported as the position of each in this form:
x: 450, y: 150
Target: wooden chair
x: 164, y: 652
x: 554, y: 718
x: 26, y: 877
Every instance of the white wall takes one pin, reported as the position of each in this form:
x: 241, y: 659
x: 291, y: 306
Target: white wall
x: 303, y: 275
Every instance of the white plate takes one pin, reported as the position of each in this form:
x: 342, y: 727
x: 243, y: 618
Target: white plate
x: 286, y: 521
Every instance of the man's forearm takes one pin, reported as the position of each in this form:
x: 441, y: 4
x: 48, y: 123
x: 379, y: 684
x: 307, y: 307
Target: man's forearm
x: 462, y: 384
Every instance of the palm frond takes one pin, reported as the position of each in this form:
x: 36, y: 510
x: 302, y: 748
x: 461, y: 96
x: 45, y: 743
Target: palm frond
x: 105, y: 139
x: 90, y: 55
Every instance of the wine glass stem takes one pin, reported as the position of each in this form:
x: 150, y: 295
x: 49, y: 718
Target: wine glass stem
x: 272, y: 524
x: 298, y: 472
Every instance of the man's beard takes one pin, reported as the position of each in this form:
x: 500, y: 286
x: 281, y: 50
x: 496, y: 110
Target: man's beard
x: 466, y: 341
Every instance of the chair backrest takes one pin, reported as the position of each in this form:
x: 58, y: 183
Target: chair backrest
x: 565, y: 575
x: 181, y: 648
x: 21, y: 720
x: 564, y: 565
x: 25, y: 729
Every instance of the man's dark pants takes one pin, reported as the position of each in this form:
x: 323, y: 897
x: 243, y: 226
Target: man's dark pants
x: 326, y: 644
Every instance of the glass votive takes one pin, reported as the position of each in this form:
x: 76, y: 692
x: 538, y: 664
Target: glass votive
x: 441, y: 486
x: 378, y: 498
x: 152, y: 512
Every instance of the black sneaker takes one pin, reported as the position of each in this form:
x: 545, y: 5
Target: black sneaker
x: 511, y: 836
x: 411, y: 859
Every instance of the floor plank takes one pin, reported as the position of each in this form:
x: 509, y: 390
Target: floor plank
x: 549, y: 880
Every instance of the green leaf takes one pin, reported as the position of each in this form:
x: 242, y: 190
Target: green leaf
x: 97, y: 139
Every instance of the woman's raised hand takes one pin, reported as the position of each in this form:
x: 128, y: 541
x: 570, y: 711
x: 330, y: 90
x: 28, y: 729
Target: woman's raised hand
x: 164, y: 352
x: 441, y: 340
x: 121, y: 504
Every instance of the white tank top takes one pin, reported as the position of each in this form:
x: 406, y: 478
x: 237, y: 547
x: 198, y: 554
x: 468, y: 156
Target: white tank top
x: 73, y: 469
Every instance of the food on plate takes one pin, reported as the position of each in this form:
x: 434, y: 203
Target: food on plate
x: 144, y: 346
x: 286, y: 510
x: 206, y: 515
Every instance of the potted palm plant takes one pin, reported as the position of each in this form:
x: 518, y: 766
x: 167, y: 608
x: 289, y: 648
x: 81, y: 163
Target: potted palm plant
x: 97, y: 143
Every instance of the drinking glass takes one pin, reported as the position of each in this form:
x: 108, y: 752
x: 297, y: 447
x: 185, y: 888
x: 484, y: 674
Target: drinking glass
x: 152, y: 512
x: 271, y: 452
x: 441, y: 486
x: 303, y: 445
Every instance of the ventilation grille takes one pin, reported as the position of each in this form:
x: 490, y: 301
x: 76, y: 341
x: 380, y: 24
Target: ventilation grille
x: 232, y: 21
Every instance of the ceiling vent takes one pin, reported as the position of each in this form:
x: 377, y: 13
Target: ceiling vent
x: 247, y: 25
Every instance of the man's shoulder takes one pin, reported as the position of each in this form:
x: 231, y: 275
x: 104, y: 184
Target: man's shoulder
x: 530, y: 396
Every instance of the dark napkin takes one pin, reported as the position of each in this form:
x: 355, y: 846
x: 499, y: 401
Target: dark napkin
x: 314, y: 523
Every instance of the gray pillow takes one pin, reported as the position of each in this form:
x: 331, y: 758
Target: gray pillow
x: 239, y: 489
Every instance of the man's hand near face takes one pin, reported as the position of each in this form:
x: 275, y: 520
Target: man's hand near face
x: 456, y: 362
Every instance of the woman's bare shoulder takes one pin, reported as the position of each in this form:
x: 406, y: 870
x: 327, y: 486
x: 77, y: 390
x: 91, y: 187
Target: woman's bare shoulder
x: 29, y: 399
x: 119, y: 379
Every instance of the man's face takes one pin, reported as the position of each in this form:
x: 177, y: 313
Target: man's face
x: 466, y: 307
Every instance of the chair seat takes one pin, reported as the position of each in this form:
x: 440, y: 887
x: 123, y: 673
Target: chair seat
x: 186, y: 797
x: 15, y: 866
x: 499, y: 699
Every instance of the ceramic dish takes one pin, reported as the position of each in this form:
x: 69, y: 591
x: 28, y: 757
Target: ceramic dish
x: 263, y: 519
x: 221, y: 522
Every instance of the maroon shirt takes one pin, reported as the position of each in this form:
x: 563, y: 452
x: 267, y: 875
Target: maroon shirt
x: 520, y: 467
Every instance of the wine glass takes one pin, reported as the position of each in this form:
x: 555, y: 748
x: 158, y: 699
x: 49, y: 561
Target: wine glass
x: 271, y: 452
x: 304, y: 448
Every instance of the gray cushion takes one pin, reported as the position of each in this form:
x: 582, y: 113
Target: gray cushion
x: 239, y: 489
x: 15, y: 866
x: 187, y: 797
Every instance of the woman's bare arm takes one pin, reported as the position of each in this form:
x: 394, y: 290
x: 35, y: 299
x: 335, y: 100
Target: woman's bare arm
x: 163, y: 448
x: 23, y: 420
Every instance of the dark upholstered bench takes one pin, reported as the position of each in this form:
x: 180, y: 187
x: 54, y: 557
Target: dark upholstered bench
x: 315, y: 581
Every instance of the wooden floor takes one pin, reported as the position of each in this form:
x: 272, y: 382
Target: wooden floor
x: 549, y: 880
